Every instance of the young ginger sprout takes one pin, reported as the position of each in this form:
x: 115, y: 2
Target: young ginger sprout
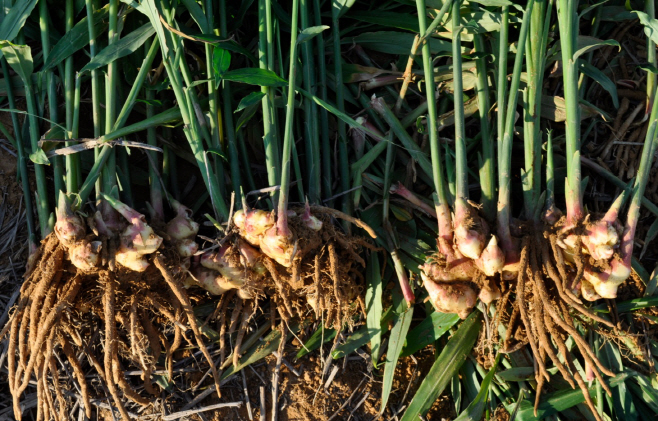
x: 182, y: 230
x: 71, y: 232
x: 138, y: 239
x: 607, y: 281
x: 69, y: 227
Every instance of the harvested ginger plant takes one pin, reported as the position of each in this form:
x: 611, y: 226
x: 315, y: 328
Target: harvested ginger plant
x: 313, y: 266
x: 543, y: 268
x: 103, y: 299
x: 130, y: 288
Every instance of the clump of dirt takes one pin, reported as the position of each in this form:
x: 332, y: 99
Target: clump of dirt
x: 354, y: 393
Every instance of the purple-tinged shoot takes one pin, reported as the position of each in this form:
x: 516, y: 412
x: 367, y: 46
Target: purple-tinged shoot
x: 402, y: 191
x: 311, y: 221
x: 69, y: 227
x: 603, y: 236
x: 607, y: 282
x: 492, y: 259
x: 137, y: 240
x: 575, y: 212
x: 182, y: 226
x: 277, y: 243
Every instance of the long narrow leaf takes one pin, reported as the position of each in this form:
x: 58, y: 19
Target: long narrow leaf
x: 76, y: 38
x: 374, y: 305
x: 428, y: 331
x: 121, y: 48
x: 446, y: 365
x: 396, y: 340
x: 476, y: 408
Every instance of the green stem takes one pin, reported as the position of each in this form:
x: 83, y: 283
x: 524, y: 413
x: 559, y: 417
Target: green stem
x: 310, y: 112
x: 568, y: 25
x: 461, y: 166
x: 650, y: 9
x: 648, y: 151
x: 501, y: 84
x: 550, y: 172
x: 325, y: 141
x: 75, y: 167
x: 430, y: 88
x: 388, y: 172
x: 72, y: 160
x: 95, y: 87
x: 57, y: 161
x: 22, y: 161
x: 487, y: 176
x: 282, y: 220
x: 532, y: 100
x: 272, y: 163
x: 156, y: 189
x: 43, y: 210
x: 136, y: 87
x: 229, y: 128
x: 109, y: 170
x: 344, y: 164
x: 505, y: 151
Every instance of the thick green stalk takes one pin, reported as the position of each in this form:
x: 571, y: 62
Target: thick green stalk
x: 72, y: 160
x: 154, y: 183
x: 73, y: 182
x: 531, y: 176
x: 191, y: 123
x: 272, y: 163
x: 650, y: 9
x: 310, y: 111
x: 212, y: 88
x: 43, y: 210
x: 461, y: 167
x: 487, y: 171
x: 136, y: 87
x: 648, y: 151
x: 282, y: 220
x: 568, y: 25
x: 343, y: 159
x: 501, y: 85
x: 57, y: 161
x: 430, y: 88
x: 246, y: 164
x: 505, y: 151
x: 229, y: 127
x: 325, y: 142
x: 109, y: 171
x: 22, y: 161
x: 95, y: 86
